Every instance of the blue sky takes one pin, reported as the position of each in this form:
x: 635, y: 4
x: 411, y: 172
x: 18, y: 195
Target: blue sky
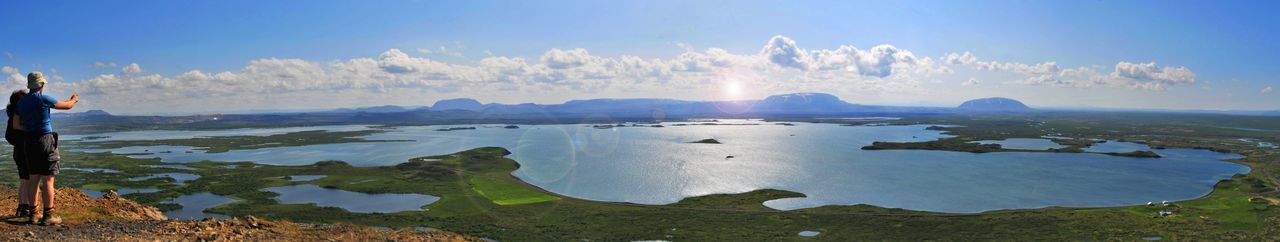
x: 1222, y: 55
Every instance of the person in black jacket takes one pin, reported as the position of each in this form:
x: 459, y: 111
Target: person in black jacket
x: 13, y: 134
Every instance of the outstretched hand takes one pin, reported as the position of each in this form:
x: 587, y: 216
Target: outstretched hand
x: 68, y: 104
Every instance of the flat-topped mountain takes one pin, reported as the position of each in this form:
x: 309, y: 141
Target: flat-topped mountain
x: 802, y: 103
x: 458, y: 104
x: 996, y: 104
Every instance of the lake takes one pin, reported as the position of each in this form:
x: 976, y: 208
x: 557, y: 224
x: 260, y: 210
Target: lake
x: 649, y: 165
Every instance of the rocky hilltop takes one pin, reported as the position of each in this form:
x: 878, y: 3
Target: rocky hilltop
x: 112, y: 218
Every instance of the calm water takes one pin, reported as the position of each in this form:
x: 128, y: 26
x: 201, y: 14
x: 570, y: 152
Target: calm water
x: 193, y: 206
x: 178, y: 177
x: 655, y: 166
x: 351, y: 201
x: 305, y: 177
x: 1024, y: 144
x: 1117, y: 146
x: 180, y: 167
x: 187, y: 134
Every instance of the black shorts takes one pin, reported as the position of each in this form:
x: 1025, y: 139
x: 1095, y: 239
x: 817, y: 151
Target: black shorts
x: 42, y: 154
x: 20, y: 160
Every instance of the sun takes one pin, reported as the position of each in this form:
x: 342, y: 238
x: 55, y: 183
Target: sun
x: 733, y: 89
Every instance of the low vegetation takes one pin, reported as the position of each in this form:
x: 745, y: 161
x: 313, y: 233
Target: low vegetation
x: 219, y: 144
x: 479, y: 196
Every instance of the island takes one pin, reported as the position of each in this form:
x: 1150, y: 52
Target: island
x: 706, y: 141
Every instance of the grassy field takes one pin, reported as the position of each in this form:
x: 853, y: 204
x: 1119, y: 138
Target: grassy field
x: 480, y: 197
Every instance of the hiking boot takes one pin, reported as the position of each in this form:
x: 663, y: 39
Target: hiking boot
x: 30, y: 216
x: 48, y: 218
x: 21, y: 211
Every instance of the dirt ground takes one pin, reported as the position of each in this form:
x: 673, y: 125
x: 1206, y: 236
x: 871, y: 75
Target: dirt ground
x: 112, y: 218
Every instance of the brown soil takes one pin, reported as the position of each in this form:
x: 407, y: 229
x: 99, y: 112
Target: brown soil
x: 112, y: 218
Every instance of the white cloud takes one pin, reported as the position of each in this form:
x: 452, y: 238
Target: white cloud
x: 10, y: 55
x: 446, y: 51
x: 561, y: 59
x: 99, y: 64
x: 1266, y: 90
x: 1146, y: 76
x: 56, y: 75
x: 1151, y: 77
x: 783, y: 51
x: 969, y: 59
x: 13, y: 75
x: 556, y: 72
x: 879, y: 61
x: 132, y: 68
x: 396, y: 77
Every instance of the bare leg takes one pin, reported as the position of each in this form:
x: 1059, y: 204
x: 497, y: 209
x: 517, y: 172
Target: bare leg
x: 24, y: 189
x: 32, y: 185
x: 47, y: 186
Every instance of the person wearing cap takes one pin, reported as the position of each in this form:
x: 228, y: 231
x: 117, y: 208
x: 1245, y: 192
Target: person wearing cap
x: 41, y: 143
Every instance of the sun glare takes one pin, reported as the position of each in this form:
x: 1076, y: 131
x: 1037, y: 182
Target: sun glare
x: 733, y: 90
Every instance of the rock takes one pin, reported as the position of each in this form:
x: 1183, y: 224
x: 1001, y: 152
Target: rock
x: 111, y: 195
x: 251, y: 221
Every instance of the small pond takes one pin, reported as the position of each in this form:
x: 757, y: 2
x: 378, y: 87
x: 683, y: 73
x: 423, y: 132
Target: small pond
x: 193, y: 206
x: 351, y: 201
x: 1024, y: 144
x: 179, y: 177
x: 305, y: 177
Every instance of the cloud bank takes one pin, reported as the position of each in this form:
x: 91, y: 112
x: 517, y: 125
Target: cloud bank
x: 396, y: 77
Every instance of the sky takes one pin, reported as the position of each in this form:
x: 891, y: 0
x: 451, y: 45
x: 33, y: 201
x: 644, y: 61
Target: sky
x: 169, y: 57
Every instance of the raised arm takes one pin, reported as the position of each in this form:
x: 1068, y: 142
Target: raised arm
x: 68, y: 104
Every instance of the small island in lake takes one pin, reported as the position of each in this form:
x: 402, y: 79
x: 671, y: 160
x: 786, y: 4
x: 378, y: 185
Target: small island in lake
x: 706, y: 141
x: 1139, y: 154
x: 455, y: 128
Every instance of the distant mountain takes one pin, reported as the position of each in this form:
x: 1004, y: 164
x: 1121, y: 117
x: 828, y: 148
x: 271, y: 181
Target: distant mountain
x: 458, y: 104
x: 523, y: 108
x: 994, y: 104
x: 471, y: 111
x: 376, y: 109
x: 90, y: 113
x: 803, y: 103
